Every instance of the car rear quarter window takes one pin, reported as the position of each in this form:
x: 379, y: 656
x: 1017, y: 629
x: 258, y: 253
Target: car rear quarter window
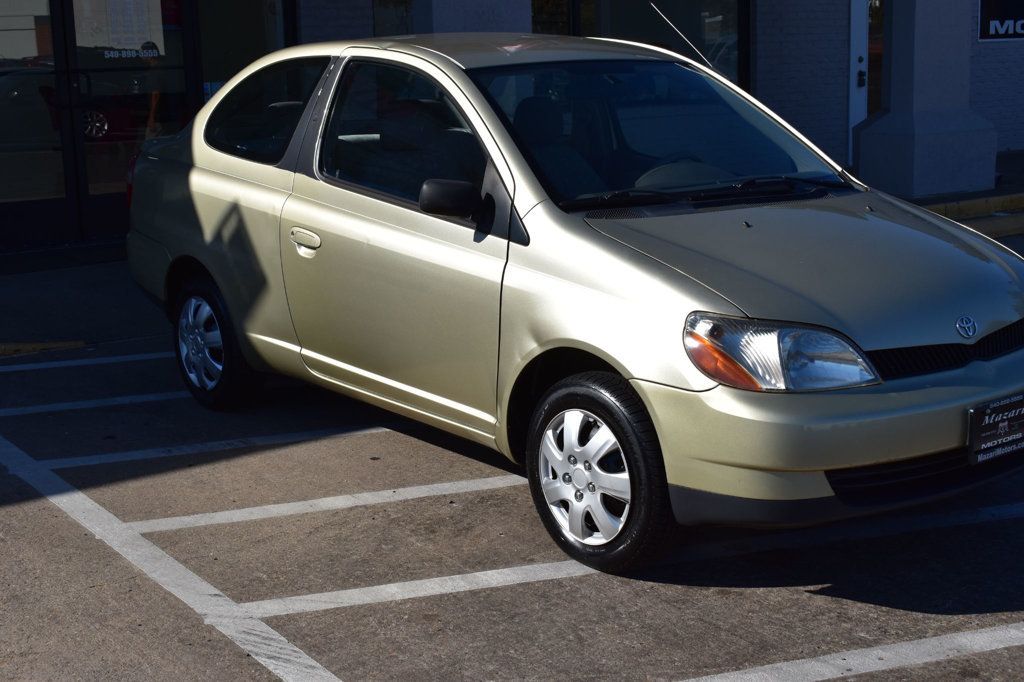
x: 257, y: 118
x: 392, y: 128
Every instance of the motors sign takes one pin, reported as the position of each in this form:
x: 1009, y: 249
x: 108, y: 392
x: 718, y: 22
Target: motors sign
x: 1001, y: 19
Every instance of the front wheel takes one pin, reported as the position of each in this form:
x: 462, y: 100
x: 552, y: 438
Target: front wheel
x: 596, y: 472
x: 209, y: 359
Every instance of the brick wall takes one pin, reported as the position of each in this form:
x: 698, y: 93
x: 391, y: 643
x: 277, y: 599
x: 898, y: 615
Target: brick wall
x: 346, y: 19
x: 801, y: 56
x: 997, y: 85
x: 481, y: 15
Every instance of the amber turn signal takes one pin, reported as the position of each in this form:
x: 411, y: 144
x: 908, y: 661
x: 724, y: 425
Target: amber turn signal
x: 717, y: 365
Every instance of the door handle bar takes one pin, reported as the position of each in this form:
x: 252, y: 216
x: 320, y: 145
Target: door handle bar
x: 305, y: 238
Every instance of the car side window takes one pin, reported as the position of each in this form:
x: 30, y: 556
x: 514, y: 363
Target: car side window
x: 391, y: 128
x: 257, y: 119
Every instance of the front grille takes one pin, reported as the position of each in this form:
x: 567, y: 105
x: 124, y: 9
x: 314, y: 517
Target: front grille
x: 898, y: 363
x: 919, y: 477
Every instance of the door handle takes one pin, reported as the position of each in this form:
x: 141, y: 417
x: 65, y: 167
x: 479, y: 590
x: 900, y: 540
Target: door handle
x: 306, y: 242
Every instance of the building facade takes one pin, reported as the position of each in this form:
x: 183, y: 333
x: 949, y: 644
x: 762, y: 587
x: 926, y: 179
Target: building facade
x: 916, y: 96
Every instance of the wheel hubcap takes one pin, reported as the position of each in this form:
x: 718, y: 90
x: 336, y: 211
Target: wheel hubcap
x: 584, y: 477
x: 96, y: 125
x: 200, y: 345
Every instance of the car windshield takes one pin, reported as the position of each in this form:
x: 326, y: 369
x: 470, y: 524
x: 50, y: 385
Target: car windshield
x: 638, y: 131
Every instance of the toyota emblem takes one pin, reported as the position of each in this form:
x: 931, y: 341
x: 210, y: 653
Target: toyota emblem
x: 966, y: 326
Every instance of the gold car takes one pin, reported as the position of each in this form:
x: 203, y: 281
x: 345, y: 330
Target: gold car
x: 597, y: 257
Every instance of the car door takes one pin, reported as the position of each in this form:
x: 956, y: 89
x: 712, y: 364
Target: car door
x: 388, y: 301
x: 242, y: 152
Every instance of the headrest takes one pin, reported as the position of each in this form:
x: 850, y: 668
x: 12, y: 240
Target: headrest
x: 538, y: 120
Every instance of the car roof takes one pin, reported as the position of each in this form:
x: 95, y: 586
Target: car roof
x: 475, y: 50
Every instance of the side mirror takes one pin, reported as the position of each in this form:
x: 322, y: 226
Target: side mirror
x: 456, y: 198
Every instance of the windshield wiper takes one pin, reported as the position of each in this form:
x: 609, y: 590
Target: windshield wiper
x: 634, y: 196
x: 765, y: 184
x: 816, y: 181
x: 638, y: 196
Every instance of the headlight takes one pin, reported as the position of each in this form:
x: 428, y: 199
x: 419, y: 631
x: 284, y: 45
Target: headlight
x: 770, y: 356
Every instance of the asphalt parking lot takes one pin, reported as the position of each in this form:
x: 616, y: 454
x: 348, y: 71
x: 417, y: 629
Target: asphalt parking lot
x: 308, y: 536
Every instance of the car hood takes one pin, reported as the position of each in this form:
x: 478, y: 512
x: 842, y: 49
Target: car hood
x: 886, y: 274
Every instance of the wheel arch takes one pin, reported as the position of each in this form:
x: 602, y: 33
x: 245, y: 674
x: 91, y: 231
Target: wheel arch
x: 539, y: 373
x: 179, y: 271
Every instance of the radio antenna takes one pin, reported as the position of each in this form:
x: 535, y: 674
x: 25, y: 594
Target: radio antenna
x: 683, y: 36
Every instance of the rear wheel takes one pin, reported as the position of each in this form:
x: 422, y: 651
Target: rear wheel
x: 596, y: 472
x: 209, y: 359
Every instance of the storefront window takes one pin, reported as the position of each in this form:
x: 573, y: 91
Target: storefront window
x: 84, y: 83
x: 119, y: 33
x: 129, y: 80
x: 233, y: 34
x: 717, y: 27
x: 31, y: 153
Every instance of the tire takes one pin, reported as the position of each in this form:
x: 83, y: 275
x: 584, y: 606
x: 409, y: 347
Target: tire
x: 582, y: 498
x: 209, y: 358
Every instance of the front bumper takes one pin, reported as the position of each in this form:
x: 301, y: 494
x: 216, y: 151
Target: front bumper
x: 924, y: 482
x: 773, y: 459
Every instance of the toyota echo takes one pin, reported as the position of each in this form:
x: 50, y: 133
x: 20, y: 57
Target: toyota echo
x: 597, y: 257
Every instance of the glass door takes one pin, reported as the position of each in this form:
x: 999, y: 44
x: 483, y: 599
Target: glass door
x: 83, y: 83
x: 127, y: 84
x: 34, y: 130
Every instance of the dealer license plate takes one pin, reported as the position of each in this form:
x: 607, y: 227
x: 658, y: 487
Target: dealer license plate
x: 997, y: 429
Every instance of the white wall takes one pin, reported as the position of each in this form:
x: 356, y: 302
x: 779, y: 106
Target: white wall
x: 444, y: 16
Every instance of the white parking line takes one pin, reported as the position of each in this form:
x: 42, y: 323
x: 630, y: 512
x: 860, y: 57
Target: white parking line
x: 92, y: 404
x: 241, y: 623
x: 202, y: 448
x: 862, y: 530
x: 412, y: 589
x: 327, y: 503
x: 82, y: 362
x: 886, y: 657
x: 256, y: 638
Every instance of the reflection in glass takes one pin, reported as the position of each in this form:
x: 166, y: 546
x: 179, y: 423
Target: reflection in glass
x: 234, y: 34
x: 676, y: 129
x: 115, y: 33
x: 130, y: 84
x: 31, y: 165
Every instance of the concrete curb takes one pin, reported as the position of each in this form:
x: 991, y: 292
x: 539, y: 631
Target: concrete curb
x: 997, y: 226
x: 16, y: 348
x: 980, y: 207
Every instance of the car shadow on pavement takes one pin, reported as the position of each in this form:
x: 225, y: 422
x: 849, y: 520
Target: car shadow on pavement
x: 459, y: 446
x: 961, y: 570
